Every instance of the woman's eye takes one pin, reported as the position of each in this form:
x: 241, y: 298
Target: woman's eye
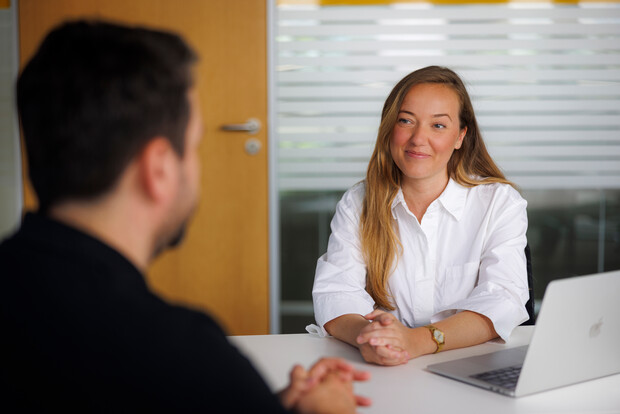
x: 403, y: 121
x: 439, y: 126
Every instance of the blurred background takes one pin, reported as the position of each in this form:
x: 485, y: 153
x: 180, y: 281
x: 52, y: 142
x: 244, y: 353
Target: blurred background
x: 544, y: 78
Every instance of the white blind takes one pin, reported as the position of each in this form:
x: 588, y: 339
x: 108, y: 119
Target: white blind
x: 544, y: 79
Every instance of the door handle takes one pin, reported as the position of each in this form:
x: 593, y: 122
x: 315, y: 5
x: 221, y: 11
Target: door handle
x: 251, y: 126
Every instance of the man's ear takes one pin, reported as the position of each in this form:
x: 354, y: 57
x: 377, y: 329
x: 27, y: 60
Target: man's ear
x: 157, y: 166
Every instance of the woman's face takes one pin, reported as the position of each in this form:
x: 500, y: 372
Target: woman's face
x: 426, y: 133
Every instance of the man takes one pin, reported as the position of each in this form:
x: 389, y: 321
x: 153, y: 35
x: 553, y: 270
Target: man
x: 112, y: 125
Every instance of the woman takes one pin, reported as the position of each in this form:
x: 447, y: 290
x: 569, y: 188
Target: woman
x: 426, y: 254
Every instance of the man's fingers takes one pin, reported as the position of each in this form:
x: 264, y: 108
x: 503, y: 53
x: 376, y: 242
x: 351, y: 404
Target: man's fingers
x: 298, y: 373
x: 363, y: 401
x: 354, y: 376
x: 297, y: 386
x: 326, y: 365
x: 361, y: 375
x: 300, y: 379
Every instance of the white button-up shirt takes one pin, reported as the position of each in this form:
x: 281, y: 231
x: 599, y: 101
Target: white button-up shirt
x: 466, y: 254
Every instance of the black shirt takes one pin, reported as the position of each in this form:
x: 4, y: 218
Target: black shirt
x: 82, y: 332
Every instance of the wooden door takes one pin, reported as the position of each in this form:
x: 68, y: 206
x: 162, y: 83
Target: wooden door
x: 223, y: 264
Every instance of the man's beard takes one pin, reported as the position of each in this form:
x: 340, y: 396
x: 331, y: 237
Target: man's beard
x: 178, y: 237
x: 171, y: 242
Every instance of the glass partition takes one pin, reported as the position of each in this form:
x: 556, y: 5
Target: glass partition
x: 545, y: 83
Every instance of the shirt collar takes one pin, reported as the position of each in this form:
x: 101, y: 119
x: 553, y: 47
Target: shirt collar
x: 399, y: 200
x: 452, y: 199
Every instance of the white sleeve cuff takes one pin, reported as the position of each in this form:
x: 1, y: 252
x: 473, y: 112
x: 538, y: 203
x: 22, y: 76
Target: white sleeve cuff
x: 316, y: 330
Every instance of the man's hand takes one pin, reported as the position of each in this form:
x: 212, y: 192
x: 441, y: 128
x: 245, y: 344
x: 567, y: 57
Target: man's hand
x: 299, y: 384
x: 326, y: 388
x: 331, y: 395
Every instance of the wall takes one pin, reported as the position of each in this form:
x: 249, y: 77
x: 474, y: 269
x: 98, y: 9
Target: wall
x: 10, y: 160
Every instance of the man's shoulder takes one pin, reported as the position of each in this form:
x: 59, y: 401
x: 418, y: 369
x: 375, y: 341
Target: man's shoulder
x: 17, y: 254
x: 107, y: 337
x: 9, y: 242
x: 90, y: 293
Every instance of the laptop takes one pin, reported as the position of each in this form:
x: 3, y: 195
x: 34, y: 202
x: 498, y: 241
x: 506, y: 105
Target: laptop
x: 576, y: 338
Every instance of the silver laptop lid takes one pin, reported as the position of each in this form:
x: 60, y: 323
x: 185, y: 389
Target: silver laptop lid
x: 577, y: 334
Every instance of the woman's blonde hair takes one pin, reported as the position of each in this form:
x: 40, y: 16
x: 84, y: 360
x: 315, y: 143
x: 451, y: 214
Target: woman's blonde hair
x: 469, y: 166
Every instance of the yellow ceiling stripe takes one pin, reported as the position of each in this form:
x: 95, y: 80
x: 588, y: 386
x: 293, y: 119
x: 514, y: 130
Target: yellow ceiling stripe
x: 383, y: 2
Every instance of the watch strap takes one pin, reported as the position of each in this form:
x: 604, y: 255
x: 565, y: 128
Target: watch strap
x: 438, y: 336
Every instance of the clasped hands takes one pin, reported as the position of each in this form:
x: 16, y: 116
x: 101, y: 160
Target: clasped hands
x: 385, y: 340
x: 327, y: 387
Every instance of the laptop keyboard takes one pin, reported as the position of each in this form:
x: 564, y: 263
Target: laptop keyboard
x: 504, y: 377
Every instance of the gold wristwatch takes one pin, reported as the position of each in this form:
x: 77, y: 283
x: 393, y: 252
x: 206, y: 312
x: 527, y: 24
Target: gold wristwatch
x: 438, y: 337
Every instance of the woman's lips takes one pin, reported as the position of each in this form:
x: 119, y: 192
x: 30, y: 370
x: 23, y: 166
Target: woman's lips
x: 415, y: 154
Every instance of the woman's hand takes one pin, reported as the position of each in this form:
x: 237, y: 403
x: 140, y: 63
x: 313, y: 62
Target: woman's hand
x: 385, y: 341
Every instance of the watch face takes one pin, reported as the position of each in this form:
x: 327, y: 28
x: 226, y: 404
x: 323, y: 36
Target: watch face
x: 438, y: 336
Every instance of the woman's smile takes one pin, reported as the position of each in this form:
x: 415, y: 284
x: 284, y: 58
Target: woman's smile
x: 417, y: 154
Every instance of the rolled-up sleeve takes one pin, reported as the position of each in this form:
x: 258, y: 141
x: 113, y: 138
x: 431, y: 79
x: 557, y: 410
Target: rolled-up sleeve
x: 340, y: 279
x: 502, y: 288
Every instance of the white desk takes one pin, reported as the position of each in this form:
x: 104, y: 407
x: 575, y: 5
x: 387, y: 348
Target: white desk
x: 410, y: 388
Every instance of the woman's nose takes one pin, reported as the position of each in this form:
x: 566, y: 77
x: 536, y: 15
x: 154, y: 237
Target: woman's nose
x: 418, y: 136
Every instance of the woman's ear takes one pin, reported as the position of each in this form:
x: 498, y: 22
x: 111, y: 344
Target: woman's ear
x: 459, y: 142
x: 158, y: 169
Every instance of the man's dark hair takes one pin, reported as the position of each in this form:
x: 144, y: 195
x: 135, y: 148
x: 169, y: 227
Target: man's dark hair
x: 90, y: 99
